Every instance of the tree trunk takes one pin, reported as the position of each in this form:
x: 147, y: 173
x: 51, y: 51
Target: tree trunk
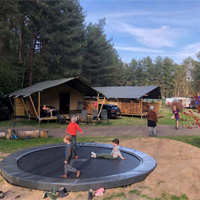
x: 30, y: 66
x: 31, y: 57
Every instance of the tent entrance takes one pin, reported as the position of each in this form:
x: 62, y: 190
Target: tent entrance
x: 64, y: 103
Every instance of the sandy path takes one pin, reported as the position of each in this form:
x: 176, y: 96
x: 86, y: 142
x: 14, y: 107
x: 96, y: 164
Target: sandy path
x: 177, y: 173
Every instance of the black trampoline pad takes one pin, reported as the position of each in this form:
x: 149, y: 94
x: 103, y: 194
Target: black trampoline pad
x: 49, y: 163
x: 41, y: 167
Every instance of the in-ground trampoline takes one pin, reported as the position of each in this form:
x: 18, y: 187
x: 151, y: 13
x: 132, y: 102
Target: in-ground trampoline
x: 41, y: 168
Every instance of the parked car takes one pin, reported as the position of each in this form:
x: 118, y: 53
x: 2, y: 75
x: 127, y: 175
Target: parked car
x: 113, y: 110
x: 5, y: 112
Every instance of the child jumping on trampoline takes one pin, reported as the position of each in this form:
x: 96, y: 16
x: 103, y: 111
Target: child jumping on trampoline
x: 113, y: 155
x: 69, y: 158
x: 72, y: 129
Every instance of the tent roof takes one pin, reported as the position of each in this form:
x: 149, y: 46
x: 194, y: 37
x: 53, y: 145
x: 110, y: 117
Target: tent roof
x: 72, y: 82
x: 130, y: 92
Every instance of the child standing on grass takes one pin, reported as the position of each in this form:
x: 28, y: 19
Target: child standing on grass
x: 69, y: 158
x: 72, y: 129
x: 113, y: 155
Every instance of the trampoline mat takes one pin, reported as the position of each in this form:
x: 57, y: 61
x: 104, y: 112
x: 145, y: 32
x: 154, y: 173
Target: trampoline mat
x: 50, y: 163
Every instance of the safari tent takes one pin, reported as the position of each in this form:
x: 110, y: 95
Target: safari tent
x: 64, y: 94
x: 132, y: 100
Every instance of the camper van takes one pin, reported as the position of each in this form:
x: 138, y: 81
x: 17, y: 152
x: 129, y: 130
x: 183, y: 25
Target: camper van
x: 185, y: 101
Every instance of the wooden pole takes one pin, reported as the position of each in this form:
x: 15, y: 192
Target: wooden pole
x: 24, y: 105
x: 38, y: 109
x: 118, y: 103
x: 141, y: 102
x: 98, y: 101
x: 101, y: 106
x: 33, y: 106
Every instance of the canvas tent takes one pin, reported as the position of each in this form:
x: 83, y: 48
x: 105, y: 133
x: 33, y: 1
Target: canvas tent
x: 64, y: 94
x: 130, y: 99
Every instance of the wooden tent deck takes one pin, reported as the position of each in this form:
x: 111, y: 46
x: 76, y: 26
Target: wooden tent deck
x: 53, y: 118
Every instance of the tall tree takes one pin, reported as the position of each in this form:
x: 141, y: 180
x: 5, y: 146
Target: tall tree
x: 9, y: 42
x: 196, y: 75
x: 130, y: 72
x: 180, y: 81
x: 100, y: 58
x: 40, y: 40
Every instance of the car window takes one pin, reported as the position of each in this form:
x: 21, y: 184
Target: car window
x: 114, y: 107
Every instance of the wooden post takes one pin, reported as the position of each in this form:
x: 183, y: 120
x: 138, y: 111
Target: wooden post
x: 33, y: 106
x: 11, y: 104
x: 118, y: 103
x: 141, y: 102
x: 101, y: 106
x: 98, y: 101
x: 24, y: 105
x: 38, y: 108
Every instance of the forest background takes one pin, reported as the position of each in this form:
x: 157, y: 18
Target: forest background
x: 46, y: 40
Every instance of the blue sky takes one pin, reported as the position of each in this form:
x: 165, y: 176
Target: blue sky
x: 141, y: 28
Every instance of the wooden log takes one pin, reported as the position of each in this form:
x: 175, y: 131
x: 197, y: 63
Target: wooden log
x: 44, y: 134
x: 2, y: 134
x: 9, y: 133
x: 25, y: 134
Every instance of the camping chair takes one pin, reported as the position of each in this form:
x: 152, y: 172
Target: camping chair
x: 95, y: 117
x: 72, y: 113
x: 84, y: 117
x: 104, y: 116
x: 80, y: 106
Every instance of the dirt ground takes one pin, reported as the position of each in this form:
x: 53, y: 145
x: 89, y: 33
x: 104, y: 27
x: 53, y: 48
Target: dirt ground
x: 177, y: 173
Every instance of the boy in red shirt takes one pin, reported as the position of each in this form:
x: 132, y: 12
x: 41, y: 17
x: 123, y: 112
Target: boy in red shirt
x: 72, y: 129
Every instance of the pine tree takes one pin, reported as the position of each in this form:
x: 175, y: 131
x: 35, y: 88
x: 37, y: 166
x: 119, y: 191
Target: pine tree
x: 100, y: 58
x: 196, y: 75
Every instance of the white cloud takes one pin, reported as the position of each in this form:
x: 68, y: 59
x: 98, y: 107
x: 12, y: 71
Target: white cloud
x: 126, y: 14
x: 138, y: 49
x: 189, y: 50
x: 152, y: 37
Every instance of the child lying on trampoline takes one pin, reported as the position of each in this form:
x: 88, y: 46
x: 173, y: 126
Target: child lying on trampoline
x: 113, y: 155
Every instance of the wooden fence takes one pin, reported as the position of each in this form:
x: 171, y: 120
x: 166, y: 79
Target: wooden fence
x: 126, y: 108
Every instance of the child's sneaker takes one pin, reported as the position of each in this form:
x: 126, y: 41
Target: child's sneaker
x: 93, y: 155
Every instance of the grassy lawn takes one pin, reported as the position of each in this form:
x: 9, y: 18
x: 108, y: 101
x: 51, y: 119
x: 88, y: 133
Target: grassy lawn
x: 10, y: 146
x: 122, y: 121
x: 190, y: 139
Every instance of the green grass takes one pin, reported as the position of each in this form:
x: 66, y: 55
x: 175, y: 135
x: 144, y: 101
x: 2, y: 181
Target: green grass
x: 182, y: 197
x: 9, y: 146
x: 190, y: 139
x: 163, y: 196
x: 26, y: 122
x: 137, y: 192
x: 1, y: 180
x: 166, y: 119
x: 166, y: 114
x: 122, y: 121
x: 119, y: 195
